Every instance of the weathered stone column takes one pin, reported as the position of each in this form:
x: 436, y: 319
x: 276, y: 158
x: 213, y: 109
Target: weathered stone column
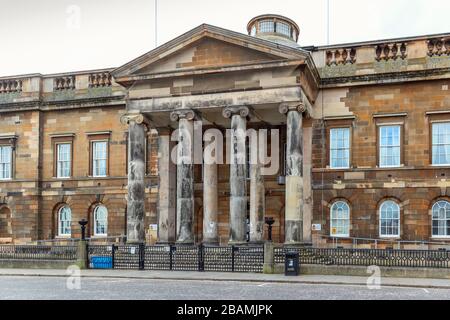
x: 167, y: 173
x: 238, y: 173
x: 210, y: 203
x: 294, y: 172
x: 136, y: 175
x: 257, y: 195
x: 185, y: 175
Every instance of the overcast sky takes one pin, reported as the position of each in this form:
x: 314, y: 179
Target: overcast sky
x: 49, y: 36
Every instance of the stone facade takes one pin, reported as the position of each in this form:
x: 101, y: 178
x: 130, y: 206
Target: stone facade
x: 228, y: 81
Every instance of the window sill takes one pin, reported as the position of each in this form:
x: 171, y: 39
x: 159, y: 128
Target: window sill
x: 390, y: 238
x: 446, y: 238
x: 340, y: 236
x: 69, y: 236
x: 6, y: 179
x: 99, y: 236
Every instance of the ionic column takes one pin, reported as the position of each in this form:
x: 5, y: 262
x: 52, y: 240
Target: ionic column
x: 167, y: 173
x: 238, y: 173
x: 210, y: 202
x: 294, y: 172
x: 136, y: 175
x: 185, y: 175
x: 257, y: 195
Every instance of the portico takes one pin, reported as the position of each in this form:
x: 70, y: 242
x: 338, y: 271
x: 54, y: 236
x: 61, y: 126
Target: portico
x: 260, y: 87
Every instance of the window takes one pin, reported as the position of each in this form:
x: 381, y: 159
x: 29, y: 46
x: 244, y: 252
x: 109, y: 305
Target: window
x: 441, y: 219
x: 390, y: 220
x: 64, y: 221
x: 99, y: 158
x: 441, y: 143
x: 63, y: 162
x: 389, y: 146
x: 5, y: 162
x: 340, y: 148
x: 284, y: 28
x: 253, y: 31
x: 266, y: 26
x: 340, y: 220
x: 100, y: 221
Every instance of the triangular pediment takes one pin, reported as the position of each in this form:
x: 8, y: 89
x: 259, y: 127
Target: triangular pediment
x: 206, y: 47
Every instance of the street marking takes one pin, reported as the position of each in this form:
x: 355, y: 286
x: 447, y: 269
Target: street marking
x: 262, y: 285
x: 426, y: 290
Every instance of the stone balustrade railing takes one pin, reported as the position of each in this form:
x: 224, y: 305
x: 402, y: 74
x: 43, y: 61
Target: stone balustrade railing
x: 340, y: 56
x: 64, y: 83
x: 100, y: 79
x: 391, y: 51
x: 10, y: 85
x: 438, y: 47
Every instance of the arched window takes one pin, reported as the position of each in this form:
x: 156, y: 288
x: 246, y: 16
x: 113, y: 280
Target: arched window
x: 340, y: 220
x: 100, y: 221
x: 389, y: 219
x: 441, y: 219
x: 64, y: 221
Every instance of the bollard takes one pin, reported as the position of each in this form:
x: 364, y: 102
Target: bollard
x: 269, y: 263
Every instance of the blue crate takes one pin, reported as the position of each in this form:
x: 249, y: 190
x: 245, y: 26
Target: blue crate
x: 101, y: 263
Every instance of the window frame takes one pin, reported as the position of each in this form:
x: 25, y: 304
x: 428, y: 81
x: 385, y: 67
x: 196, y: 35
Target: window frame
x: 59, y: 234
x: 396, y: 236
x: 95, y: 221
x: 447, y: 236
x: 57, y: 161
x: 93, y: 137
x: 330, y: 130
x: 432, y: 123
x: 338, y: 123
x: 63, y: 138
x: 338, y: 235
x: 11, y: 161
x: 400, y: 144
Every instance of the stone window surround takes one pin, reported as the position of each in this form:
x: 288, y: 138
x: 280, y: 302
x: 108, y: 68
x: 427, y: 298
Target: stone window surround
x: 332, y: 204
x: 11, y: 141
x: 390, y: 120
x: 62, y: 138
x: 433, y: 203
x: 436, y: 117
x: 101, y: 136
x: 378, y: 217
x: 336, y: 123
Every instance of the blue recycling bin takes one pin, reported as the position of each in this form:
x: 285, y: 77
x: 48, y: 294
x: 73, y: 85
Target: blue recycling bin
x: 101, y: 263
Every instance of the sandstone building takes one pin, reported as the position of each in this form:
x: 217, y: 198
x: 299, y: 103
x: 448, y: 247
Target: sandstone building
x: 365, y: 142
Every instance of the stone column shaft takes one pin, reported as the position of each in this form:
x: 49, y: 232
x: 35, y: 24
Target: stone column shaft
x: 257, y: 196
x: 136, y: 175
x: 167, y: 189
x: 294, y: 174
x: 185, y: 176
x: 238, y: 173
x: 210, y: 204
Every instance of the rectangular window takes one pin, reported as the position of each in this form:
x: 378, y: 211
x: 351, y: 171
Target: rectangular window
x: 441, y: 143
x: 63, y: 162
x: 389, y: 142
x: 5, y: 162
x: 99, y: 158
x: 340, y: 148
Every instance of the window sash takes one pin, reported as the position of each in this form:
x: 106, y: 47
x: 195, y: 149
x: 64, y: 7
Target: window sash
x: 100, y: 221
x: 266, y: 26
x: 5, y: 162
x: 99, y: 158
x: 441, y: 219
x: 64, y: 221
x: 389, y: 219
x: 390, y: 146
x: 441, y: 143
x: 63, y: 169
x: 340, y: 220
x: 340, y: 148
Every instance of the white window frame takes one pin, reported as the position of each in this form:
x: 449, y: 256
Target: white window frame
x: 333, y: 131
x: 433, y: 144
x: 336, y: 219
x: 264, y: 23
x: 65, y: 221
x: 59, y: 162
x: 96, y: 221
x: 447, y: 236
x: 9, y: 164
x: 381, y: 146
x: 93, y: 143
x: 394, y: 236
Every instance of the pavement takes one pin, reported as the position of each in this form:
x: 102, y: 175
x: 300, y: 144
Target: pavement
x: 230, y: 277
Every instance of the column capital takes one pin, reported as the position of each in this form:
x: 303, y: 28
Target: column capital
x: 243, y: 111
x: 188, y: 114
x: 136, y: 117
x: 298, y: 106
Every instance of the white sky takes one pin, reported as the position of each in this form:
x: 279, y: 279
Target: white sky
x: 49, y: 36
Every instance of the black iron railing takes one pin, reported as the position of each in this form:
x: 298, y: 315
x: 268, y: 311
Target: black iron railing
x: 368, y: 257
x: 28, y: 252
